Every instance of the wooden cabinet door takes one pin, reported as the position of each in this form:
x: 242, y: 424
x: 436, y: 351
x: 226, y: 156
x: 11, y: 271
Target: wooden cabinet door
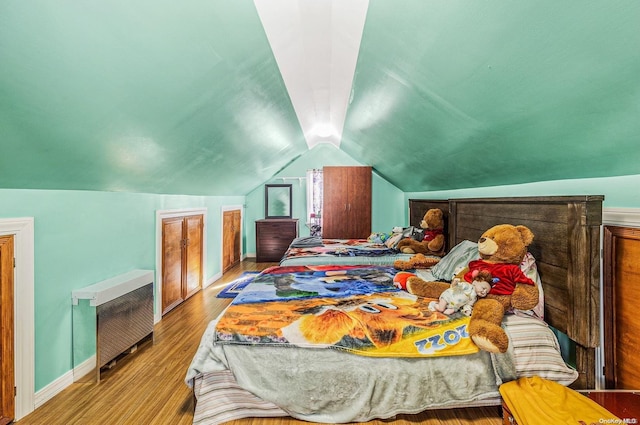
x: 181, y: 259
x: 171, y: 263
x: 358, y: 220
x: 231, y: 233
x: 621, y: 297
x: 193, y: 254
x: 237, y: 233
x: 346, y: 205
x: 334, y: 203
x: 7, y: 369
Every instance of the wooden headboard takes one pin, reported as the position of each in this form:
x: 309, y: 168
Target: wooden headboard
x: 567, y: 251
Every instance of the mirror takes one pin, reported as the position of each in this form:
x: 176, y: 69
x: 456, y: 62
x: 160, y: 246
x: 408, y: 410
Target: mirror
x: 277, y: 200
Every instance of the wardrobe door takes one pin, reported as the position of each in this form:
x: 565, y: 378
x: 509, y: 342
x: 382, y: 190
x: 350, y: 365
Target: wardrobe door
x: 334, y: 203
x: 171, y: 263
x: 193, y: 254
x: 621, y: 269
x: 237, y: 223
x: 182, y: 249
x: 7, y: 325
x: 358, y: 220
x: 346, y: 208
x: 231, y: 239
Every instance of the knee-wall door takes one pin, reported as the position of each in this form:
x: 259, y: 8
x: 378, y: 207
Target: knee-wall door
x: 181, y: 259
x: 621, y: 297
x: 7, y: 372
x: 231, y: 232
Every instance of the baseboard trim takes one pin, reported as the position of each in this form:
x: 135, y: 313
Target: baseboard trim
x: 51, y: 390
x: 212, y: 279
x: 83, y: 369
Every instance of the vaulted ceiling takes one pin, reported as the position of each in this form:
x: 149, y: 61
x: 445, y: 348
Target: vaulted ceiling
x: 215, y: 97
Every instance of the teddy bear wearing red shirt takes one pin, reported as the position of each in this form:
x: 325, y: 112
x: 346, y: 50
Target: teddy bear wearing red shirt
x: 502, y: 249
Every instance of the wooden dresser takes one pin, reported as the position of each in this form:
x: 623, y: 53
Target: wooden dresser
x: 273, y: 237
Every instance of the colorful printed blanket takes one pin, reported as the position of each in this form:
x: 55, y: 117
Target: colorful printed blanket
x: 353, y: 308
x: 341, y: 248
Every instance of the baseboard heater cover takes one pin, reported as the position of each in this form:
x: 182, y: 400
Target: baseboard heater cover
x: 123, y: 322
x: 124, y: 313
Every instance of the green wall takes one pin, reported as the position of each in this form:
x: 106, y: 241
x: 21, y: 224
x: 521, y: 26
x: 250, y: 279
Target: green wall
x: 387, y: 200
x: 84, y: 237
x: 619, y: 192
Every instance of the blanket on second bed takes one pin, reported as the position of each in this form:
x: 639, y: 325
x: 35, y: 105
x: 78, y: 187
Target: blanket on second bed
x: 341, y: 251
x: 352, y: 308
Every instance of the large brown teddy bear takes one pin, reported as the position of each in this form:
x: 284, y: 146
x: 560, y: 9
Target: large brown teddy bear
x: 502, y: 249
x: 432, y: 242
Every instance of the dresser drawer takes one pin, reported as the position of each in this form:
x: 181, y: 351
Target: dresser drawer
x: 273, y: 237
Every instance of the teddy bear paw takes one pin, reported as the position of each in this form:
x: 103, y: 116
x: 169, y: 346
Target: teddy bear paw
x: 488, y: 336
x: 485, y: 344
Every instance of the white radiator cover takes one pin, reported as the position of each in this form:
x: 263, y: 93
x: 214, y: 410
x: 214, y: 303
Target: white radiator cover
x: 124, y: 312
x: 122, y: 322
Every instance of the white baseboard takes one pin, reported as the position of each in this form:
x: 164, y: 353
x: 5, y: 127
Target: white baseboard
x: 212, y: 279
x: 51, y: 390
x: 83, y: 369
x: 629, y: 217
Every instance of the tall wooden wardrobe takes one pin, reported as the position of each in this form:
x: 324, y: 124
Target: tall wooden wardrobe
x: 346, y: 204
x: 181, y: 259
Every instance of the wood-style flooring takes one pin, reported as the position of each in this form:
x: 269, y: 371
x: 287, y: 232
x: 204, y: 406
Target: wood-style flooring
x: 147, y: 387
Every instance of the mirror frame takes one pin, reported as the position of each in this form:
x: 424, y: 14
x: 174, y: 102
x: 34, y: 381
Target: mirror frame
x: 277, y: 189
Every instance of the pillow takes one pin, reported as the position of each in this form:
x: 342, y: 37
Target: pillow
x: 536, y: 350
x: 392, y: 241
x: 400, y: 233
x: 378, y: 237
x: 456, y: 259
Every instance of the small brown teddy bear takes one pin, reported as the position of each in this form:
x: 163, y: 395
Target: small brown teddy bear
x: 501, y: 249
x: 432, y: 242
x: 418, y: 261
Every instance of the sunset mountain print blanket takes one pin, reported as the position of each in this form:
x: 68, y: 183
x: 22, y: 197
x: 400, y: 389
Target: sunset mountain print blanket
x: 352, y: 308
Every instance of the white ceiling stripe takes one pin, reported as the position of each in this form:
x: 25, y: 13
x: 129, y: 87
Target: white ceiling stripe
x: 316, y: 45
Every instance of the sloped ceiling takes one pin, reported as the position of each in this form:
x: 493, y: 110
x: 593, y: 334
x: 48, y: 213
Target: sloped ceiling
x: 214, y: 97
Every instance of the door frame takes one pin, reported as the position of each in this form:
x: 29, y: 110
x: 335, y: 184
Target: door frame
x: 22, y: 230
x: 161, y: 215
x: 222, y: 210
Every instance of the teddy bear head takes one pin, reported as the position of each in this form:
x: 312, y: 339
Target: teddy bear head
x: 433, y: 219
x: 505, y: 243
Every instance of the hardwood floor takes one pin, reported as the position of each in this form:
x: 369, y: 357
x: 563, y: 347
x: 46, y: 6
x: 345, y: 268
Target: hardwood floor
x: 147, y: 387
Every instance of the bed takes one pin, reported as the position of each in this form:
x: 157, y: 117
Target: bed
x: 316, y: 250
x: 230, y: 381
x: 345, y: 252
